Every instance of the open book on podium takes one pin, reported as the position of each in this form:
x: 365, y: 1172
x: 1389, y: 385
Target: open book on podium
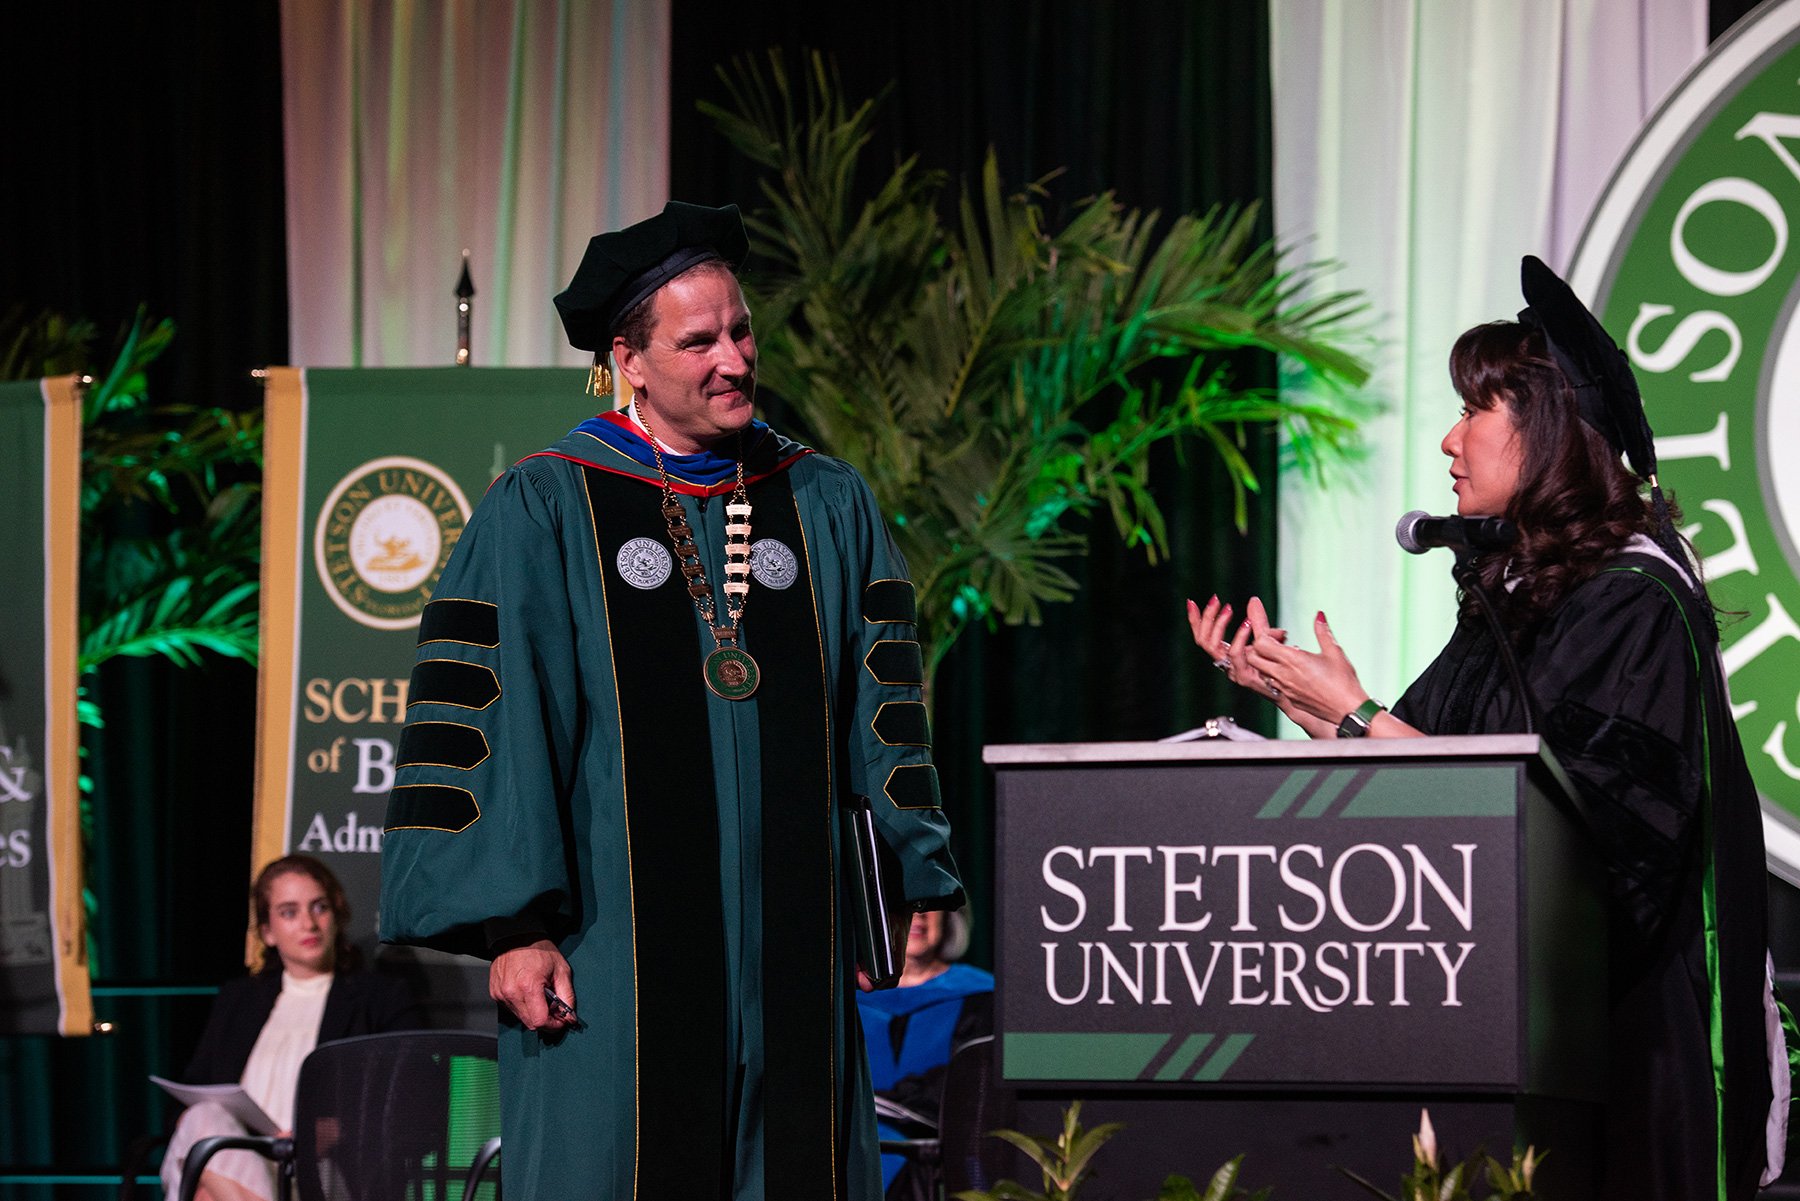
x: 1366, y: 921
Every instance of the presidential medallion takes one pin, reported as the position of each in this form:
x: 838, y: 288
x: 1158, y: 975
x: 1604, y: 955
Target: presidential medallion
x: 731, y: 673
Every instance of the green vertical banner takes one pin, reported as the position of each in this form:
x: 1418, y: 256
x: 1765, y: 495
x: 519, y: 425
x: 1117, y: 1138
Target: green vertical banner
x: 43, y: 938
x: 369, y: 478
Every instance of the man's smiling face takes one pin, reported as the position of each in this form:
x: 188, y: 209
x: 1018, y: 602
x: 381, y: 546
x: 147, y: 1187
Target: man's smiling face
x: 696, y: 380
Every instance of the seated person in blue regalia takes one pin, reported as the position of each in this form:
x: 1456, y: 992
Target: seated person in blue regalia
x: 910, y: 1030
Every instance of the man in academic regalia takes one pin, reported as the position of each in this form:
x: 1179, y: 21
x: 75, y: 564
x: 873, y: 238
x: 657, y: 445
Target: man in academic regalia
x: 664, y: 653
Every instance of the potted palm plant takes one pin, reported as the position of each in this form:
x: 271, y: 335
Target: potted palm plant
x: 995, y: 379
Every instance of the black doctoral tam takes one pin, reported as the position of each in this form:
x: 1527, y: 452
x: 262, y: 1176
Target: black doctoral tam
x: 623, y: 268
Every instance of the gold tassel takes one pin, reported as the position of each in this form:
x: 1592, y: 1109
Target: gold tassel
x: 600, y: 380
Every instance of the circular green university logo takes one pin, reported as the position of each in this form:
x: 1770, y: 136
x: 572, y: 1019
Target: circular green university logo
x: 1691, y: 262
x: 384, y: 535
x: 731, y: 673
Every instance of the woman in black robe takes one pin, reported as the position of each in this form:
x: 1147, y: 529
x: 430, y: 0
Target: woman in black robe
x: 1618, y: 646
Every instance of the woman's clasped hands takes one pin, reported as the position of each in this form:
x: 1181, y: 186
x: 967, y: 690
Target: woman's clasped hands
x: 1315, y: 691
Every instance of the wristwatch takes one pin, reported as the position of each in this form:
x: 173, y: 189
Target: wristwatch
x: 1356, y: 722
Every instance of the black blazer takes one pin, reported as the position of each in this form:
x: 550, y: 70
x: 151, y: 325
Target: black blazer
x: 359, y: 1003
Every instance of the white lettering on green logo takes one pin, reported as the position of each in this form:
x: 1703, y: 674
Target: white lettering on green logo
x: 1691, y: 262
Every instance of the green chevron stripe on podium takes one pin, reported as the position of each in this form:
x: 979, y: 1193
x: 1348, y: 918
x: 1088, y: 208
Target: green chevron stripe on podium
x: 1119, y: 1056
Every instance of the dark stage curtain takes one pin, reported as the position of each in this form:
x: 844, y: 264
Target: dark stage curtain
x: 144, y: 151
x: 1721, y: 15
x: 1167, y: 105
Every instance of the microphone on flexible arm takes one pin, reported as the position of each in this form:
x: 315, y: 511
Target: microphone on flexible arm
x: 1419, y: 532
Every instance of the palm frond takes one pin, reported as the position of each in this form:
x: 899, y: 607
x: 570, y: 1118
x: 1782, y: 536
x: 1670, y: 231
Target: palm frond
x: 48, y: 343
x: 994, y: 379
x: 192, y: 587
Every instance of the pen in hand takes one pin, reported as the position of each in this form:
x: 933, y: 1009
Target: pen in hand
x: 560, y: 1010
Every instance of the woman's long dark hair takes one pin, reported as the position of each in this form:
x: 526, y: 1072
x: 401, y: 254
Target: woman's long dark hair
x: 1576, y: 503
x: 345, y: 957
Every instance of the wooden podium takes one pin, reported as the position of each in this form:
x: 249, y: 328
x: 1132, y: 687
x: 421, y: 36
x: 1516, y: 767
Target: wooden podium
x: 1288, y: 949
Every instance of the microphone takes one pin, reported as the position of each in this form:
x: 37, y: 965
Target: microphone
x: 1419, y: 531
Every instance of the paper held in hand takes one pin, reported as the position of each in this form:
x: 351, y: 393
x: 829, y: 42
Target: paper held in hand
x: 231, y: 1097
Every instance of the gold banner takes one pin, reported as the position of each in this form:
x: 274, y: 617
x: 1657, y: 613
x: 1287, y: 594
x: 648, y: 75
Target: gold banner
x: 62, y: 768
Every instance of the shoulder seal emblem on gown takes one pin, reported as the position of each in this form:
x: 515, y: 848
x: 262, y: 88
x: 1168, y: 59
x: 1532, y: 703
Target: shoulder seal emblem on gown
x: 645, y: 563
x: 773, y: 564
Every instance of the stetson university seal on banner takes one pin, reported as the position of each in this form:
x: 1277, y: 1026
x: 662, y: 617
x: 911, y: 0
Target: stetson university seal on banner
x: 383, y: 536
x: 1690, y: 261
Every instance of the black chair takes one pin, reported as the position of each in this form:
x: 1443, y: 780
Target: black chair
x: 922, y: 1180
x: 972, y: 1103
x: 975, y: 1103
x: 136, y: 1159
x: 407, y: 1114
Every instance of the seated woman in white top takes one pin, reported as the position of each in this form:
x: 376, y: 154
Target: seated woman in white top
x: 309, y: 991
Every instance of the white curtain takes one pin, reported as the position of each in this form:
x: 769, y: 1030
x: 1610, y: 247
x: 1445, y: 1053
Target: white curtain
x: 1426, y: 146
x: 515, y: 129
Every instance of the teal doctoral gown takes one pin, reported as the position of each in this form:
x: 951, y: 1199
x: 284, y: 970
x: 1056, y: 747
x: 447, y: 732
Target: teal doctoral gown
x: 565, y: 767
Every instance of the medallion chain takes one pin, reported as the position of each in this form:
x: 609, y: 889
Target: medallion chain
x: 729, y: 670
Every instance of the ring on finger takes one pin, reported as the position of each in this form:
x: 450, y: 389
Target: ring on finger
x: 1274, y: 691
x: 1223, y: 665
